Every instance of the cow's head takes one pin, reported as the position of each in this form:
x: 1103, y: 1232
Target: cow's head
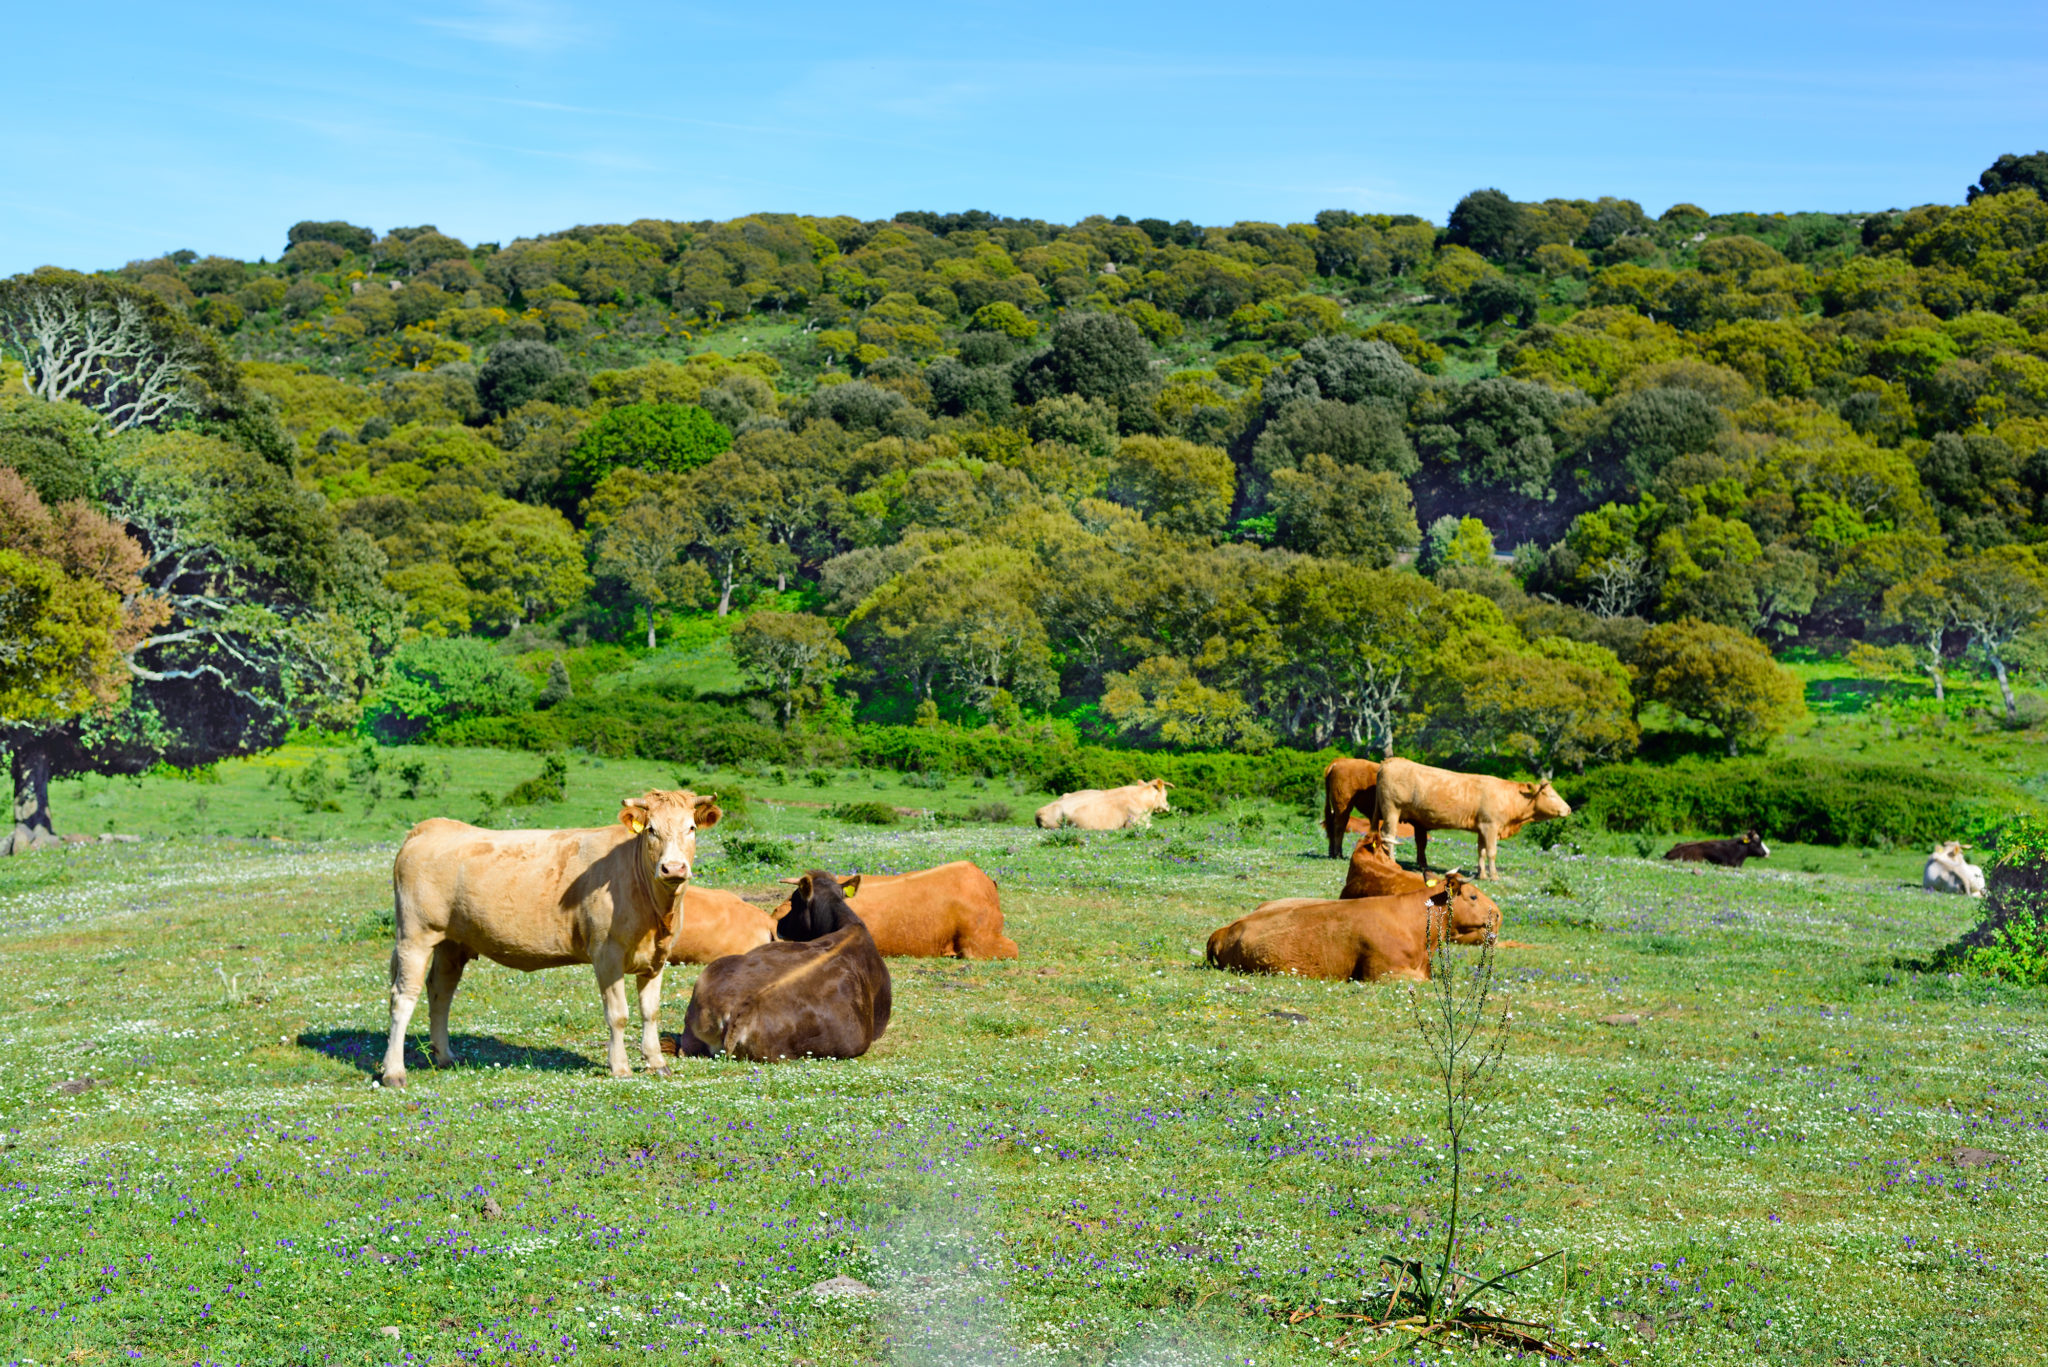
x: 1754, y: 844
x: 1951, y: 850
x: 817, y: 907
x: 1546, y: 803
x: 667, y: 824
x: 1473, y: 917
x: 1154, y: 793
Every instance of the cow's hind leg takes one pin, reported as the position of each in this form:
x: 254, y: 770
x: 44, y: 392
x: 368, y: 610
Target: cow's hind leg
x: 1421, y: 848
x: 408, y: 975
x: 1489, y: 851
x: 650, y: 1021
x: 609, y: 962
x: 1334, y: 822
x: 443, y: 977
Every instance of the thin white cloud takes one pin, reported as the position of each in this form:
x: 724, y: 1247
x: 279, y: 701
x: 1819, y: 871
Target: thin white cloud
x: 522, y: 25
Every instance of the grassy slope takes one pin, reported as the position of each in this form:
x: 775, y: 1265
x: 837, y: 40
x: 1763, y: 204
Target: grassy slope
x: 1100, y: 1152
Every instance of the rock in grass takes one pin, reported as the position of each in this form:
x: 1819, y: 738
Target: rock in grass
x: 1292, y: 1017
x: 1622, y: 1018
x: 390, y: 1331
x: 490, y: 1210
x: 833, y: 1288
x: 1978, y: 1158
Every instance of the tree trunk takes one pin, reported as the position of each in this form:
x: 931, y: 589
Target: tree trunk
x: 725, y: 591
x: 2004, y: 686
x: 32, y: 829
x: 781, y: 582
x: 650, y: 626
x: 1934, y: 666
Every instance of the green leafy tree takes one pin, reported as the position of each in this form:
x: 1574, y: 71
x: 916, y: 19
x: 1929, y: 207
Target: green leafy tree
x: 669, y: 437
x: 1097, y: 356
x: 1556, y: 702
x: 734, y: 499
x: 1995, y: 596
x: 1162, y: 702
x: 1489, y: 223
x: 1720, y: 677
x: 520, y: 372
x: 2013, y: 172
x: 641, y: 549
x: 1176, y: 484
x: 434, y: 683
x: 1918, y: 608
x: 1343, y: 512
x: 794, y: 655
x: 520, y: 563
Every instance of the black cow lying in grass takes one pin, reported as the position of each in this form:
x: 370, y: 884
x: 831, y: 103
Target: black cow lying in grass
x: 1727, y: 853
x: 820, y: 990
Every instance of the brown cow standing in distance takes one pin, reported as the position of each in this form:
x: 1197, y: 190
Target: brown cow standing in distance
x: 1444, y: 800
x: 610, y: 897
x: 952, y: 910
x: 1349, y: 785
x: 820, y: 991
x: 1729, y: 854
x: 717, y: 923
x: 1363, y: 939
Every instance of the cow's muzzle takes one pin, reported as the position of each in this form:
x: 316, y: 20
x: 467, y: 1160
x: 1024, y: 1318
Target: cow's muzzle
x: 675, y: 871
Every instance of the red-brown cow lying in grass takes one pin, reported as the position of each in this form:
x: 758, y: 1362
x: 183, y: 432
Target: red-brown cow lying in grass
x: 821, y: 991
x: 1373, y: 872
x: 717, y: 923
x: 952, y: 910
x: 610, y: 897
x: 1729, y: 854
x: 1363, y: 939
x: 1444, y: 800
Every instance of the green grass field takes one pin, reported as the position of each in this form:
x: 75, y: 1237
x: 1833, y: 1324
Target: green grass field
x: 1102, y: 1153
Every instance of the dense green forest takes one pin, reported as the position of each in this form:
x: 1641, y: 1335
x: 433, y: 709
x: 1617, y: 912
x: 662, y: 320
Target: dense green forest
x: 1484, y: 490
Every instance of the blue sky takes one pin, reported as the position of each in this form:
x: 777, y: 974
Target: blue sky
x: 137, y: 129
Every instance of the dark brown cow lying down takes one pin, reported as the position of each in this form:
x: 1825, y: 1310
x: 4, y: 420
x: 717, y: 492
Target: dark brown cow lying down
x: 1729, y: 854
x: 952, y: 910
x: 820, y: 991
x: 1363, y: 939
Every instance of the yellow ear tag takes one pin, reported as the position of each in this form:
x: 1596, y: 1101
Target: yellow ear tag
x: 639, y: 824
x: 851, y: 892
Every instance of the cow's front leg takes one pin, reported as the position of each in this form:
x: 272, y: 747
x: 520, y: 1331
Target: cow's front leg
x: 610, y: 964
x: 1489, y: 850
x: 408, y: 975
x: 650, y: 1021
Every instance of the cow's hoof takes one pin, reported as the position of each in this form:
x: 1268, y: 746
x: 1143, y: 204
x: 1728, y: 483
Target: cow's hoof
x: 395, y: 1081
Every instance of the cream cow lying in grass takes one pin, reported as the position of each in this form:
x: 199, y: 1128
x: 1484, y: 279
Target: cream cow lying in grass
x: 1107, y: 809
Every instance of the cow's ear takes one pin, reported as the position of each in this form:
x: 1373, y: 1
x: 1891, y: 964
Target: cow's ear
x: 633, y: 814
x: 849, y: 885
x: 708, y: 813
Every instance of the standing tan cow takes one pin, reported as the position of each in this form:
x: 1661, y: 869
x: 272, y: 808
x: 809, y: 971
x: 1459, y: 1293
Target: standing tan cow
x: 1107, y: 809
x: 1443, y: 800
x: 717, y: 923
x: 610, y: 897
x: 1364, y: 939
x: 952, y: 910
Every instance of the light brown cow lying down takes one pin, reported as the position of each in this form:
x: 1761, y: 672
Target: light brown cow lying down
x: 717, y: 923
x: 610, y: 897
x: 1363, y: 939
x: 1373, y: 872
x: 933, y: 913
x: 1107, y: 809
x: 1445, y: 800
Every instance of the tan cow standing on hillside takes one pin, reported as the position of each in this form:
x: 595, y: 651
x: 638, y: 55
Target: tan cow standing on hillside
x: 610, y: 897
x: 1444, y: 800
x: 1107, y: 809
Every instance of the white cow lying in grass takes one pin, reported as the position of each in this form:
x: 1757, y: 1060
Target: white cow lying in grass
x: 1948, y: 871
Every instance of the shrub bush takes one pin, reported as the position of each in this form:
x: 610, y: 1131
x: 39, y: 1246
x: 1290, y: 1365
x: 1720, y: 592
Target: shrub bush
x: 866, y: 813
x: 435, y: 683
x: 1816, y: 802
x: 2011, y: 942
x: 551, y: 784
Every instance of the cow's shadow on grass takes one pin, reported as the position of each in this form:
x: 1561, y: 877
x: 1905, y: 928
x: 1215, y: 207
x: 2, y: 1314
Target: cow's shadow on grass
x: 363, y: 1050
